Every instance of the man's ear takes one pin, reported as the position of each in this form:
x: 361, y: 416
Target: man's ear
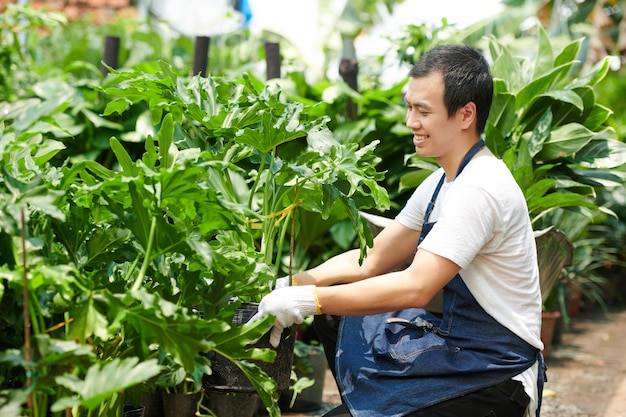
x: 468, y: 115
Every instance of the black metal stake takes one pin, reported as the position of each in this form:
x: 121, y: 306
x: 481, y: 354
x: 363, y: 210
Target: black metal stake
x: 349, y: 71
x: 201, y: 55
x: 272, y: 60
x: 111, y: 53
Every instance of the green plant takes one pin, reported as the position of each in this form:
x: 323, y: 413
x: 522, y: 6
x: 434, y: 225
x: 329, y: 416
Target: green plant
x: 549, y: 128
x: 157, y: 246
x: 551, y: 131
x: 16, y: 50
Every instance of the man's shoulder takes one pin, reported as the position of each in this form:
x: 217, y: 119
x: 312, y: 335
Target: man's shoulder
x: 487, y: 170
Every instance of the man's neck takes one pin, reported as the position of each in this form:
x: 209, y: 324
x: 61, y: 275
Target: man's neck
x: 451, y: 164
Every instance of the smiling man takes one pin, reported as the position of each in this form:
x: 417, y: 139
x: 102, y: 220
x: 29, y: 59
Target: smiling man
x: 465, y: 231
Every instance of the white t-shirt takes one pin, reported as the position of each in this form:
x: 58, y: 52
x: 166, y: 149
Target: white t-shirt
x: 482, y: 225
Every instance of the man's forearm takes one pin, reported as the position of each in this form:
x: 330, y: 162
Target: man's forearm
x: 340, y: 269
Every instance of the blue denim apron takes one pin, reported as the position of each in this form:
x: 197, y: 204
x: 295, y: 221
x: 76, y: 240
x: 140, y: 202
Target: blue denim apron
x: 392, y: 364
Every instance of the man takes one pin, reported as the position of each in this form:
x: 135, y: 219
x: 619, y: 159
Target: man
x: 470, y: 225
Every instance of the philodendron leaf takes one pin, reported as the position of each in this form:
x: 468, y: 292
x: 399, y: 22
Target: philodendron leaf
x: 47, y: 150
x: 267, y: 139
x: 264, y: 385
x: 88, y: 322
x: 57, y: 101
x: 233, y: 343
x: 179, y: 333
x: 123, y: 158
x: 104, y: 380
x: 166, y: 133
x: 118, y: 105
x: 43, y: 199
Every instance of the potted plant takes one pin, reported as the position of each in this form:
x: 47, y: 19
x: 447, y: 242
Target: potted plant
x: 154, y: 250
x: 245, y: 134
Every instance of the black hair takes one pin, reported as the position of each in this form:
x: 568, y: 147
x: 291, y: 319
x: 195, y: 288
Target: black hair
x: 466, y: 77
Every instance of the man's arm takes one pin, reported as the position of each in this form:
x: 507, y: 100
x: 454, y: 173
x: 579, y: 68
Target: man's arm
x: 414, y: 287
x: 368, y: 288
x: 394, y: 245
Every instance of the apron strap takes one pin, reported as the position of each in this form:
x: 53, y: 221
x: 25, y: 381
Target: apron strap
x: 466, y: 159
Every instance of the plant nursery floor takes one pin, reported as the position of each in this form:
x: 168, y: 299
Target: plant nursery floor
x: 586, y: 371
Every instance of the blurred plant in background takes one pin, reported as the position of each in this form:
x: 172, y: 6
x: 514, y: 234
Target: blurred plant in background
x: 191, y: 152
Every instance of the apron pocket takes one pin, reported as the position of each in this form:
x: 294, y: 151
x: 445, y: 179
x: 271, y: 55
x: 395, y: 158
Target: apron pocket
x: 412, y: 343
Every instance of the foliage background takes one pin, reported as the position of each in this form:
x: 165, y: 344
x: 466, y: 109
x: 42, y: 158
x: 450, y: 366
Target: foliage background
x: 58, y: 115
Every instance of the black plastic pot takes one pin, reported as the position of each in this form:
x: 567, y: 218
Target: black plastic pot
x: 153, y: 403
x: 180, y: 405
x: 232, y: 404
x: 228, y: 377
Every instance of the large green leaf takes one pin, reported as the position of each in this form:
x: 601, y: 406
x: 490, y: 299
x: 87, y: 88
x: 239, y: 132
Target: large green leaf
x: 569, y: 53
x: 166, y: 150
x: 103, y: 381
x: 123, y: 158
x: 542, y: 85
x: 593, y: 76
x: 544, y: 59
x: 171, y: 327
x: 597, y: 117
x: 539, y: 190
x: 88, y: 322
x: 602, y: 152
x: 505, y: 67
x: 565, y: 141
x: 540, y: 134
x: 502, y: 114
x: 555, y: 200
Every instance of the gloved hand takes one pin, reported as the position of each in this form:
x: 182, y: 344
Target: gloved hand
x: 290, y: 305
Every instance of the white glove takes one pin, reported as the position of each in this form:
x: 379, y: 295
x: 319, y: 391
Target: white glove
x: 290, y: 305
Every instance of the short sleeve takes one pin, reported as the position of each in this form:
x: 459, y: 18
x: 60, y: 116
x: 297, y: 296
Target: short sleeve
x: 412, y: 215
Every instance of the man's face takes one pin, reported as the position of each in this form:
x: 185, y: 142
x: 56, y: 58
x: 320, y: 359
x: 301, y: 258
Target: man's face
x: 427, y: 117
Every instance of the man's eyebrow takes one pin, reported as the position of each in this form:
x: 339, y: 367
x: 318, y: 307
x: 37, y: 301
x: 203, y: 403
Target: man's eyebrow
x: 418, y: 104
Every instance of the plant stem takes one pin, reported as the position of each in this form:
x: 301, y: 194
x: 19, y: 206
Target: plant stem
x: 292, y: 237
x: 146, y: 261
x: 26, y: 311
x: 267, y: 239
x: 255, y: 184
x: 132, y: 267
x: 36, y: 322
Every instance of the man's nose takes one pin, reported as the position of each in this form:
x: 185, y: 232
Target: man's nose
x: 413, y: 121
